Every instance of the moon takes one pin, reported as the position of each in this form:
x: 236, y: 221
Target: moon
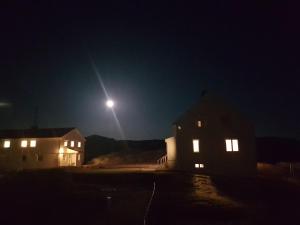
x: 110, y: 103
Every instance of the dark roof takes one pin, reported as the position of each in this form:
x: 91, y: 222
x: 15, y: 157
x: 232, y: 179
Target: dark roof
x: 35, y: 133
x: 205, y: 97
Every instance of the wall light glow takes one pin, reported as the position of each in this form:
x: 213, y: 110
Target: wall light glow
x: 61, y: 151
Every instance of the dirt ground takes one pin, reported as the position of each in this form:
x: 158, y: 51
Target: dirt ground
x: 89, y: 196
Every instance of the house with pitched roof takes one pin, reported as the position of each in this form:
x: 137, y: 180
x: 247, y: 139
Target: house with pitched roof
x: 212, y: 137
x: 41, y: 148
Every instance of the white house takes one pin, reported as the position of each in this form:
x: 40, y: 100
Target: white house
x: 41, y: 148
x: 212, y: 138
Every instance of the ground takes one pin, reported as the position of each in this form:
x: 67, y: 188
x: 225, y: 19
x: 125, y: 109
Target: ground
x: 122, y: 196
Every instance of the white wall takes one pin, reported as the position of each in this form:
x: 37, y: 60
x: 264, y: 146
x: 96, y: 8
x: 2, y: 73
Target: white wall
x: 171, y: 152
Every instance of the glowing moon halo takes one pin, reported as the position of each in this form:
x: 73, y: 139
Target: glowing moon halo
x: 110, y: 103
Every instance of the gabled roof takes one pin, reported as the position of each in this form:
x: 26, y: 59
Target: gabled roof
x: 35, y: 133
x: 191, y: 110
x: 206, y: 100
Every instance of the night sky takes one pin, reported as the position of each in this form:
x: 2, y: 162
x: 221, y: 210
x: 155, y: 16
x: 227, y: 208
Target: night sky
x: 155, y: 59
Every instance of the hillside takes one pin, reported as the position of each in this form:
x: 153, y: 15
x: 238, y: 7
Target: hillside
x: 99, y: 146
x: 108, y: 150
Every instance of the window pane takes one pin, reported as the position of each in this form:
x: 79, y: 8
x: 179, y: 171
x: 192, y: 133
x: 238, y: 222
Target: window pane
x: 72, y: 143
x: 66, y: 143
x: 79, y: 144
x: 201, y: 165
x: 196, y: 145
x: 196, y: 165
x: 228, y: 145
x: 33, y: 143
x: 235, y: 145
x: 24, y: 144
x: 6, y: 144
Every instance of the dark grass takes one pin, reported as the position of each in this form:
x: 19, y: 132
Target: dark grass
x: 259, y: 200
x: 59, y: 197
x: 80, y: 197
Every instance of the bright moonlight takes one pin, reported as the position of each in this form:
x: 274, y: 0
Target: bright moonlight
x: 110, y: 103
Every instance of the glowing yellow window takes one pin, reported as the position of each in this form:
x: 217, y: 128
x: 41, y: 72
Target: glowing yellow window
x: 6, y: 144
x: 79, y: 144
x: 196, y: 145
x: 78, y: 157
x: 66, y: 143
x: 232, y: 145
x: 24, y: 143
x: 33, y: 143
x: 199, y: 165
x: 72, y: 143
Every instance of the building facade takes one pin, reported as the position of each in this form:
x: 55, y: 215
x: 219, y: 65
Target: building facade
x: 41, y: 148
x: 212, y: 138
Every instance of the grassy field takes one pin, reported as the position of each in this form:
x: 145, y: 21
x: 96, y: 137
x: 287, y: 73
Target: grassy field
x: 89, y: 196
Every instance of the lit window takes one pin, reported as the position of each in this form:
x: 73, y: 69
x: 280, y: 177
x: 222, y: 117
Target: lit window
x: 24, y: 144
x: 6, y: 144
x: 199, y: 165
x: 72, y: 143
x: 228, y: 145
x: 78, y: 157
x: 179, y: 127
x: 196, y: 145
x: 66, y: 143
x: 199, y: 123
x: 79, y: 144
x: 235, y: 145
x: 232, y: 145
x: 33, y: 143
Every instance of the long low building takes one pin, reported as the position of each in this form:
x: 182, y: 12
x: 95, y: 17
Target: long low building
x: 41, y: 148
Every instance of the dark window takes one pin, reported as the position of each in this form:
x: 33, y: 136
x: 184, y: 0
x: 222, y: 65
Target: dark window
x: 24, y: 158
